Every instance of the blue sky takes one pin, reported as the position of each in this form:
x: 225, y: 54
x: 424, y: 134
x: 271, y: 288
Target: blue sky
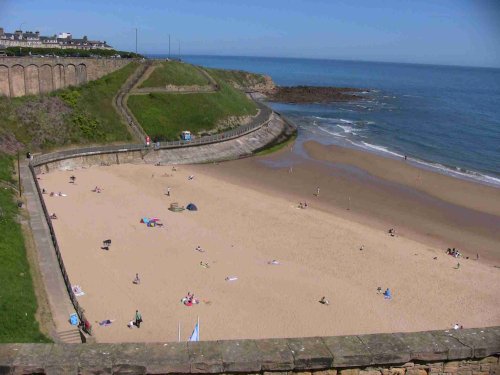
x: 457, y: 32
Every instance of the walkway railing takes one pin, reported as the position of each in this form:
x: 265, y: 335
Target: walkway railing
x: 262, y: 119
x: 79, y: 310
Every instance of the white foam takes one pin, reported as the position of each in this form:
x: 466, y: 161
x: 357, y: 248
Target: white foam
x: 347, y: 129
x: 346, y: 121
x: 380, y: 149
x: 331, y: 133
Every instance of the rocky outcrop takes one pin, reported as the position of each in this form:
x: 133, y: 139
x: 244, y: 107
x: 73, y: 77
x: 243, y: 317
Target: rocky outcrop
x: 313, y: 94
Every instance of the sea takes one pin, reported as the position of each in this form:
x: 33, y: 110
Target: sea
x: 443, y: 118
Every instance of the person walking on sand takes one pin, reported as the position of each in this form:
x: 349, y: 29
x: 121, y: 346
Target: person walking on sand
x: 137, y: 281
x: 138, y: 319
x: 168, y: 191
x: 317, y: 191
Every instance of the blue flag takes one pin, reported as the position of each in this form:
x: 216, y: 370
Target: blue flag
x: 195, y: 336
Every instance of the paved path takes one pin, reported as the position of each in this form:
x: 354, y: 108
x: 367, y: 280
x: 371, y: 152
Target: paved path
x: 60, y: 304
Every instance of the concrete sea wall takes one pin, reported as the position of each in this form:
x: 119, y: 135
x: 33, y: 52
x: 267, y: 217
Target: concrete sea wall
x: 460, y: 352
x: 20, y: 76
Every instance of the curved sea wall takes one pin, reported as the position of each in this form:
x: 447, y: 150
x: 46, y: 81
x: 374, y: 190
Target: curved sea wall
x: 460, y: 352
x: 234, y: 144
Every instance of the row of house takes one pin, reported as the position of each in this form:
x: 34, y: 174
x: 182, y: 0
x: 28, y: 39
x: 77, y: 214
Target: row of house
x: 35, y: 40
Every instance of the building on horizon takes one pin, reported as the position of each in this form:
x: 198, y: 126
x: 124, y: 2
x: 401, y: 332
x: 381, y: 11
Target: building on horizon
x: 29, y: 39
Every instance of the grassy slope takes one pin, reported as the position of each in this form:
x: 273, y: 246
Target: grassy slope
x: 164, y: 116
x: 238, y: 78
x: 17, y: 299
x: 175, y: 73
x: 75, y: 115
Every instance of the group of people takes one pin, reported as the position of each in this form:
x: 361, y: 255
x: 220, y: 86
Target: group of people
x: 137, y: 320
x: 189, y: 300
x: 97, y: 189
x: 59, y: 194
x: 303, y: 205
x: 387, y: 294
x: 392, y: 232
x: 453, y: 252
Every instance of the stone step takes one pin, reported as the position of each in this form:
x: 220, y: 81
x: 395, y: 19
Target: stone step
x: 71, y: 336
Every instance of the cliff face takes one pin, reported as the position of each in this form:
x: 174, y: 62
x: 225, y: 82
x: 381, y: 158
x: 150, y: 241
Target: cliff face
x: 260, y: 83
x: 244, y: 81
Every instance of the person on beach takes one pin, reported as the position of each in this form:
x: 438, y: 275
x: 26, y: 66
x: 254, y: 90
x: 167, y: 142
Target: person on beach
x: 387, y: 294
x: 72, y: 178
x: 168, y: 191
x: 138, y: 319
x: 317, y: 191
x: 137, y: 280
x: 198, y: 248
x: 53, y: 216
x: 324, y: 301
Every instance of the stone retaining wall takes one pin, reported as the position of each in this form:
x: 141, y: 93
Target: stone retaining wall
x: 277, y: 129
x: 21, y: 76
x: 461, y: 352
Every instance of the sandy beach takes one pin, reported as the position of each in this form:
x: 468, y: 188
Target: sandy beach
x: 247, y: 217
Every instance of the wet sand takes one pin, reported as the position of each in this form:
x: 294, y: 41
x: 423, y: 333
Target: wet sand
x: 248, y: 216
x: 380, y: 192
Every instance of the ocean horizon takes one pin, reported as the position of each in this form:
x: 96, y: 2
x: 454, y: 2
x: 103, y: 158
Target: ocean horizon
x: 444, y: 118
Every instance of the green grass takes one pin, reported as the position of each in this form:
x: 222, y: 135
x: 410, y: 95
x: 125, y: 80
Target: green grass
x: 18, y: 303
x: 79, y: 115
x: 164, y: 116
x: 236, y: 78
x: 275, y: 148
x: 175, y: 73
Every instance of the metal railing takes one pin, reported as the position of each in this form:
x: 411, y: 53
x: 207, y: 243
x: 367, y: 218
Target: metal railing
x: 79, y: 310
x: 262, y: 119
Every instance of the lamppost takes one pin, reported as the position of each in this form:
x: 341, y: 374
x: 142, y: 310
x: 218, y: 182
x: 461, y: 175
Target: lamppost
x: 21, y: 30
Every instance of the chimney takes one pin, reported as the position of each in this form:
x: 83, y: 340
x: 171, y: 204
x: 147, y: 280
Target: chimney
x: 1, y: 31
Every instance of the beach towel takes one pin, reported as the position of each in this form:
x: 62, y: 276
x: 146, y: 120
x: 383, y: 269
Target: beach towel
x: 77, y: 290
x: 106, y: 322
x: 231, y: 278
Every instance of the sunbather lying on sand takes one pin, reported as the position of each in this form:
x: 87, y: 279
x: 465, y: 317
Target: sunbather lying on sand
x: 204, y: 265
x: 106, y: 322
x: 324, y: 301
x: 273, y: 262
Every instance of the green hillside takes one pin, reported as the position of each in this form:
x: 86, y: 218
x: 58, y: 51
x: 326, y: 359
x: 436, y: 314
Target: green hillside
x: 18, y: 303
x: 163, y: 116
x: 236, y: 78
x: 175, y: 73
x: 79, y: 115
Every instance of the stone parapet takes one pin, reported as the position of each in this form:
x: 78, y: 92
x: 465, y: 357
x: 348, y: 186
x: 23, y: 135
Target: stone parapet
x: 464, y: 352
